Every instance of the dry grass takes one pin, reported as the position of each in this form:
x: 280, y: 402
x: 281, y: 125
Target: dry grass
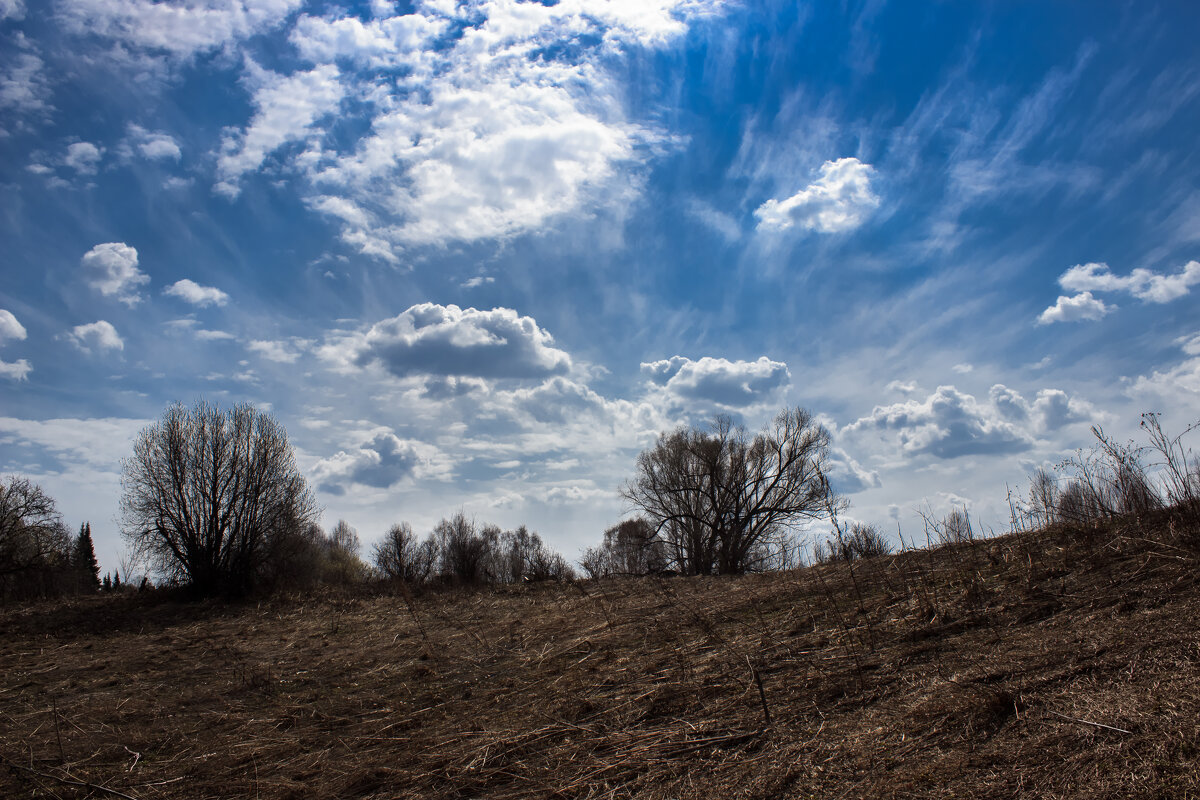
x: 1051, y: 664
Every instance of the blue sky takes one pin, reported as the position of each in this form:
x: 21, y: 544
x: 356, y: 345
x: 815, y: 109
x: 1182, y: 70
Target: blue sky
x: 475, y: 255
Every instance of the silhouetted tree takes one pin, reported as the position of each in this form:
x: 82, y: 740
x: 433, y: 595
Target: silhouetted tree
x: 400, y: 555
x: 83, y: 559
x: 206, y: 491
x: 35, y: 546
x: 716, y: 496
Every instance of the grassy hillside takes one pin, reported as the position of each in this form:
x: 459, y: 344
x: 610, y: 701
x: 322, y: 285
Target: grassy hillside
x: 1060, y: 663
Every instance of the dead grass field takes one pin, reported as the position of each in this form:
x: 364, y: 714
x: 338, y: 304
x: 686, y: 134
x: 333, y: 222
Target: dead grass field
x: 1052, y: 664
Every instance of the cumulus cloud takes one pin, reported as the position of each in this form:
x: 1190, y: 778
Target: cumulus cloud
x: 10, y: 328
x: 946, y: 424
x: 12, y: 9
x: 485, y: 123
x: 380, y: 462
x: 839, y: 200
x: 286, y: 107
x: 83, y: 157
x: 99, y: 335
x: 1051, y: 409
x: 431, y: 339
x: 112, y: 269
x: 733, y: 384
x: 192, y: 292
x: 282, y: 352
x: 1177, y: 387
x: 1073, y: 309
x: 153, y: 145
x: 1141, y: 283
x: 903, y: 387
x: 179, y: 28
x: 847, y: 475
x: 24, y: 87
x: 15, y: 370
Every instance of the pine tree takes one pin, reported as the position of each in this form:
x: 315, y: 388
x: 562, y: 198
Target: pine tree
x: 83, y: 558
x: 116, y: 582
x: 107, y: 585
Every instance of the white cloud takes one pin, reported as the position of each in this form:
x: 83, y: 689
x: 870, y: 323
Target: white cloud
x: 492, y: 120
x: 286, y: 107
x: 431, y: 339
x: 963, y: 369
x: 24, y: 86
x: 946, y: 424
x: 10, y: 328
x: 839, y: 200
x: 178, y: 28
x: 477, y: 281
x: 1051, y: 410
x: 111, y: 269
x: 213, y: 336
x: 192, y: 292
x: 100, y: 335
x: 1073, y: 309
x: 903, y: 387
x: 394, y: 41
x: 1175, y: 388
x: 733, y: 384
x: 12, y: 9
x: 83, y: 157
x: 154, y: 145
x: 1141, y: 283
x: 99, y: 443
x: 282, y: 352
x: 380, y: 463
x: 15, y: 370
x: 719, y: 221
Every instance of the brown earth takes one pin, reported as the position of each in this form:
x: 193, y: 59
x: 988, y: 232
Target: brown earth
x: 1049, y: 664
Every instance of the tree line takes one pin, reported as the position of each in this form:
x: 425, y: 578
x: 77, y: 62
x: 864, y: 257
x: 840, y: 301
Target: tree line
x: 213, y: 499
x: 39, y: 557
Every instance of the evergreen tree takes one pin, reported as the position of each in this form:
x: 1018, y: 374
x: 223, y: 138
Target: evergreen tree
x: 83, y: 558
x: 116, y: 582
x: 107, y: 585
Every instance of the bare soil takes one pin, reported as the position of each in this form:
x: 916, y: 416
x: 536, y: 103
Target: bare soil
x: 1059, y: 663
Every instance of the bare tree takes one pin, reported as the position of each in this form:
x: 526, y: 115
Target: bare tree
x: 206, y: 491
x: 34, y: 542
x: 464, y: 554
x: 717, y: 496
x: 401, y: 556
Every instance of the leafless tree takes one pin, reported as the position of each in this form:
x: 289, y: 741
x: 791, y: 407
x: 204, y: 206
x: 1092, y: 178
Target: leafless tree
x: 34, y: 542
x: 402, y: 556
x: 956, y: 527
x: 1043, y: 499
x: 715, y: 497
x: 207, y: 490
x: 464, y: 554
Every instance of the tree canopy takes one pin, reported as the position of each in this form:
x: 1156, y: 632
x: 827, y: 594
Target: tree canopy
x: 719, y: 497
x: 206, y: 492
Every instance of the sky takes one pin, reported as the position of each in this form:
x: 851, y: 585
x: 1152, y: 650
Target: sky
x: 477, y: 254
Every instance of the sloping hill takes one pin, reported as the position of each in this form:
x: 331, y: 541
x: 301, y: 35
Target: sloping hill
x: 1059, y: 663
